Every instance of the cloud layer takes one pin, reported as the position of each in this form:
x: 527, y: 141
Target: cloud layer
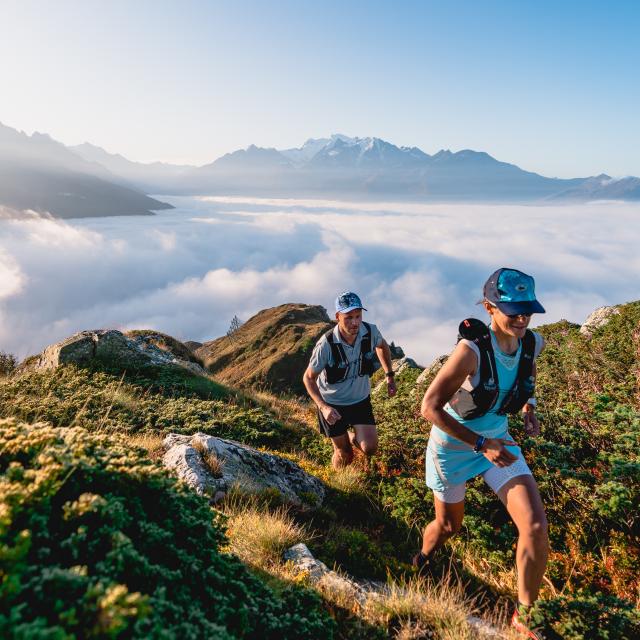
x: 419, y: 268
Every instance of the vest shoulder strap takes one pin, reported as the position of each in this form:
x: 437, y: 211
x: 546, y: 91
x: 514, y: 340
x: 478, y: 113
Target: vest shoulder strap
x: 337, y: 350
x: 478, y: 332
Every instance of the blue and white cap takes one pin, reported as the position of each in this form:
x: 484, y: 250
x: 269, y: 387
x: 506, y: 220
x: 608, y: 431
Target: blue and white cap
x: 348, y: 301
x: 513, y: 292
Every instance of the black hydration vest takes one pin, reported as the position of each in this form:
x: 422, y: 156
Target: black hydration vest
x: 478, y: 401
x: 337, y: 372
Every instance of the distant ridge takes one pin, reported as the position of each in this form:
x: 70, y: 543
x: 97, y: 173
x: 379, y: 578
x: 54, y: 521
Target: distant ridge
x: 350, y: 167
x: 43, y: 175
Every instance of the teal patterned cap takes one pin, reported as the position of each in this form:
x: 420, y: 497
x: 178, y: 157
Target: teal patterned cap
x: 513, y: 292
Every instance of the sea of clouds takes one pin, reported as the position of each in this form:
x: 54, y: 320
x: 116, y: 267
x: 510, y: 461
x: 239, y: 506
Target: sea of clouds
x: 418, y: 268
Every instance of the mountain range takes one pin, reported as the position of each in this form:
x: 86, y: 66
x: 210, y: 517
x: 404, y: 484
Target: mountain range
x: 36, y: 172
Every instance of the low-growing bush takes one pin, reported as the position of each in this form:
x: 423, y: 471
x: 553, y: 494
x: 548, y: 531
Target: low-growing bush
x: 96, y: 541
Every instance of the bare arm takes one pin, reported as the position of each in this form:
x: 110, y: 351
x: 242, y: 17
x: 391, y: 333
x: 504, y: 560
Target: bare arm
x: 310, y: 380
x: 461, y: 364
x: 384, y: 355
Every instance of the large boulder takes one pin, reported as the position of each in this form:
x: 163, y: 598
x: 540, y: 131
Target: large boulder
x: 211, y: 466
x: 113, y: 348
x: 270, y: 350
x: 598, y: 318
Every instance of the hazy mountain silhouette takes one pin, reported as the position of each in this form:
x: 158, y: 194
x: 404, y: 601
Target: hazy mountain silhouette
x: 40, y: 174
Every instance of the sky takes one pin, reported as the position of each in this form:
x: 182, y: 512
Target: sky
x: 419, y: 268
x: 549, y: 86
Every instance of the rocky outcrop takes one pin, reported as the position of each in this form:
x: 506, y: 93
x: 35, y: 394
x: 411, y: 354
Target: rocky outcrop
x: 598, y: 318
x: 211, y: 466
x: 432, y: 369
x: 398, y: 366
x: 113, y: 348
x: 270, y: 350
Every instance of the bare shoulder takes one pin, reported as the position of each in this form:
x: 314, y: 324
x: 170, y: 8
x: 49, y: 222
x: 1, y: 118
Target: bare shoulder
x: 463, y: 361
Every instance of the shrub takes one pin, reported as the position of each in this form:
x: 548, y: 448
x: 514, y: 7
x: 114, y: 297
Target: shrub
x: 97, y: 542
x: 7, y: 363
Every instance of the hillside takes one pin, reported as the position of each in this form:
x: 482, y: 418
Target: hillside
x: 270, y: 350
x: 97, y: 492
x: 40, y: 174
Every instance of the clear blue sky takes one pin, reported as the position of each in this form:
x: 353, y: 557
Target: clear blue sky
x: 550, y: 86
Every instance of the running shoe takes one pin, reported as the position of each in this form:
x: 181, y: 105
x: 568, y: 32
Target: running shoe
x: 422, y: 563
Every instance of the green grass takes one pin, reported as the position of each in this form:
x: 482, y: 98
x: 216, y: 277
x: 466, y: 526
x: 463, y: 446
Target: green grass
x: 161, y: 400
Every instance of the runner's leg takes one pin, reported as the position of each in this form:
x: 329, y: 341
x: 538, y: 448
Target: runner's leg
x: 447, y: 523
x: 342, y: 451
x: 365, y: 438
x: 521, y: 497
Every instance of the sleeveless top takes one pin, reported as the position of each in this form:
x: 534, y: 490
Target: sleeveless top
x: 450, y: 461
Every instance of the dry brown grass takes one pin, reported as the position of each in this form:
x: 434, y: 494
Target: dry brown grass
x: 349, y: 479
x: 422, y: 609
x: 260, y: 537
x: 149, y: 440
x: 210, y: 460
x: 300, y: 413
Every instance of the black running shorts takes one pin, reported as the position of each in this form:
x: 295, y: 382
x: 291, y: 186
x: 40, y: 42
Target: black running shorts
x: 358, y: 413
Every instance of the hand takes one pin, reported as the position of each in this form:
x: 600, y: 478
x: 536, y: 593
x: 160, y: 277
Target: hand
x: 391, y: 387
x: 330, y: 414
x: 531, y: 424
x: 495, y: 450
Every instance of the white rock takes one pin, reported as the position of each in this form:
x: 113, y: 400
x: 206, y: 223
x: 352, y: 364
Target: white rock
x: 598, y: 318
x: 240, y: 465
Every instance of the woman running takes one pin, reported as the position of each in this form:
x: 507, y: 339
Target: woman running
x: 490, y: 373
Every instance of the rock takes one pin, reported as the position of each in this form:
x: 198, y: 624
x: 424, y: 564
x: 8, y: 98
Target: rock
x: 405, y: 363
x: 319, y: 574
x: 398, y: 366
x: 111, y: 347
x: 396, y: 351
x: 598, y: 318
x: 237, y: 464
x: 432, y: 369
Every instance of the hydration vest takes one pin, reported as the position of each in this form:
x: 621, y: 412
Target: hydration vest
x: 337, y: 372
x: 481, y: 399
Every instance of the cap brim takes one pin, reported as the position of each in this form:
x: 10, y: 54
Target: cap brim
x: 351, y: 309
x: 526, y: 307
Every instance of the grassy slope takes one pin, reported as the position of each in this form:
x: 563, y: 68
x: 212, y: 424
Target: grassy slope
x: 270, y: 350
x: 586, y: 463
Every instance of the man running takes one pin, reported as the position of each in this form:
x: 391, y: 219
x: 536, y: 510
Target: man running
x: 337, y: 379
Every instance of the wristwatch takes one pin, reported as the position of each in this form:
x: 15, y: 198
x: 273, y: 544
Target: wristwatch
x: 390, y: 374
x: 479, y: 444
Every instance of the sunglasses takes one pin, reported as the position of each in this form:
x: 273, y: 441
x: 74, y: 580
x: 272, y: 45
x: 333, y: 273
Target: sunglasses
x: 512, y: 316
